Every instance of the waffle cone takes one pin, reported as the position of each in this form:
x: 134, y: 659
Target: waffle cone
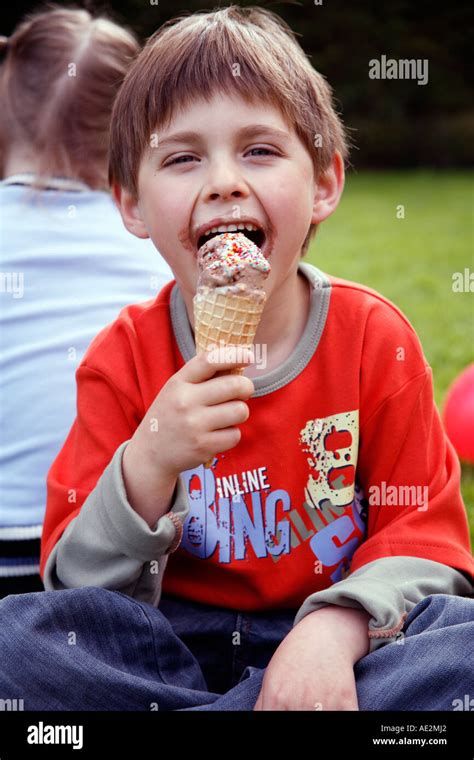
x: 223, y: 319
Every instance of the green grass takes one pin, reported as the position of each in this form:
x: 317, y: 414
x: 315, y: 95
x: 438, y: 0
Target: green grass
x: 411, y: 261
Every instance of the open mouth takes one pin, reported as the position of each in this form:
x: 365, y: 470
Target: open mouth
x: 256, y: 236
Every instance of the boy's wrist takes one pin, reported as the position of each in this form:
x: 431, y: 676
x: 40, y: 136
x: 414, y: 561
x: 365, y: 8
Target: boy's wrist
x: 149, y: 490
x: 348, y: 627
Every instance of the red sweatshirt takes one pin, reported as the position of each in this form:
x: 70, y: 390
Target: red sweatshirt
x: 342, y: 461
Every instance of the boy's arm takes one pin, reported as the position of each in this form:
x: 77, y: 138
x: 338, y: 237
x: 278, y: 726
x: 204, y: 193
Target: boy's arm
x: 109, y: 545
x: 410, y: 551
x: 388, y: 589
x: 99, y: 531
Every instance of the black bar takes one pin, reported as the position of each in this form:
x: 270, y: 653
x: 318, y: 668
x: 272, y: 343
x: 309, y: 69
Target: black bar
x: 221, y: 735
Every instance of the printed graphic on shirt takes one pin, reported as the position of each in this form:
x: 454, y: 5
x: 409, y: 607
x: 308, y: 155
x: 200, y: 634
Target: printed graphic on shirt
x: 234, y: 517
x: 332, y: 444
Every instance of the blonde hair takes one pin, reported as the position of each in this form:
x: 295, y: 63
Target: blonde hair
x: 196, y: 56
x: 61, y: 71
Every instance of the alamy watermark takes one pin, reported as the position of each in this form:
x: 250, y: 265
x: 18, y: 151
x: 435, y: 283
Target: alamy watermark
x: 12, y: 705
x: 404, y: 68
x: 464, y: 704
x: 47, y: 734
x: 463, y: 282
x: 12, y: 282
x: 399, y: 496
x: 232, y: 354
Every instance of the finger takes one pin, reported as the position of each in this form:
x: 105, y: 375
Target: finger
x: 225, y: 415
x: 204, y: 365
x: 217, y: 390
x: 222, y: 440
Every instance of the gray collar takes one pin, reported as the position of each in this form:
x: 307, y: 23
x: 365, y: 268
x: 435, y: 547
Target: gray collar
x: 298, y: 359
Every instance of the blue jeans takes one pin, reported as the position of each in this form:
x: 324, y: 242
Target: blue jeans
x: 94, y: 649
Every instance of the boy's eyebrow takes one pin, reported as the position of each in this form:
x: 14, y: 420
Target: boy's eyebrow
x: 250, y: 131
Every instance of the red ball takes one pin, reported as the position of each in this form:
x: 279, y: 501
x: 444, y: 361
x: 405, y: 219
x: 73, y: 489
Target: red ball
x: 458, y: 415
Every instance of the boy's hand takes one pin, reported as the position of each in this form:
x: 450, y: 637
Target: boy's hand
x: 313, y: 667
x: 193, y: 417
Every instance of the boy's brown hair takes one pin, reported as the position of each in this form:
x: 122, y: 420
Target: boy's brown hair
x: 248, y: 52
x: 59, y: 77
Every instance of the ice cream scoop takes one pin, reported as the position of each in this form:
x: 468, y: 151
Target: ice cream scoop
x: 233, y: 262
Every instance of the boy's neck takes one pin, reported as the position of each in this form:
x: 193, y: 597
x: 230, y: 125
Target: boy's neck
x: 283, y: 322
x: 282, y: 325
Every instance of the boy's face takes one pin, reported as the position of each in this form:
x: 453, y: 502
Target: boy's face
x: 227, y: 173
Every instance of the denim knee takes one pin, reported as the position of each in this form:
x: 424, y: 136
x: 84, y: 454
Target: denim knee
x: 439, y: 611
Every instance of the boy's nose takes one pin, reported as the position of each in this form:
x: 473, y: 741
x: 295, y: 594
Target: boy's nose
x: 225, y: 181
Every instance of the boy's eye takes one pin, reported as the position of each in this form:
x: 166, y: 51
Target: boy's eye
x: 267, y: 150
x: 177, y: 159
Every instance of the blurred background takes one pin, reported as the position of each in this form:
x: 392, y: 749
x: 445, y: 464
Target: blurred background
x: 413, y: 150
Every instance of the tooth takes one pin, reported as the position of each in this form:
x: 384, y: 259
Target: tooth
x: 230, y: 228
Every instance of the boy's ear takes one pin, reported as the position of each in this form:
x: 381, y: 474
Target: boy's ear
x: 328, y: 190
x: 130, y: 212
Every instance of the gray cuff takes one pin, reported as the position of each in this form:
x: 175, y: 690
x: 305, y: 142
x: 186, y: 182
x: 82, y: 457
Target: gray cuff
x: 128, y: 531
x: 109, y: 545
x: 388, y: 589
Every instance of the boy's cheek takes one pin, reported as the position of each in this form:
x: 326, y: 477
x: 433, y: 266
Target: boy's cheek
x: 184, y: 265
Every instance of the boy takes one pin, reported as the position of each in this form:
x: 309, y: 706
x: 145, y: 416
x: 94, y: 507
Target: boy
x: 293, y: 516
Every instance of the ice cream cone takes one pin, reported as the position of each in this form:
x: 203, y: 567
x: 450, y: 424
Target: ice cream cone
x: 224, y: 319
x: 229, y: 296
